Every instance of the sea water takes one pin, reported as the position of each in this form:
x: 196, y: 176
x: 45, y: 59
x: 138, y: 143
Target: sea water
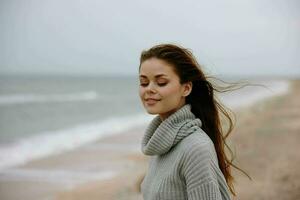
x: 44, y: 115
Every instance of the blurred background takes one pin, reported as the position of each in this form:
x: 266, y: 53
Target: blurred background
x: 70, y: 116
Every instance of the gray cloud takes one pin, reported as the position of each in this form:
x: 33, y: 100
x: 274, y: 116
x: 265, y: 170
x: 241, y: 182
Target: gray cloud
x: 106, y: 37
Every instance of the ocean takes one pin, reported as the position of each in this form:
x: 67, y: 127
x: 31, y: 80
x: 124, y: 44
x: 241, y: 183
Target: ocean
x: 41, y: 116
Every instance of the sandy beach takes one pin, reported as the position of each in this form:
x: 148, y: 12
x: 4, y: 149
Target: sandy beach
x: 265, y: 140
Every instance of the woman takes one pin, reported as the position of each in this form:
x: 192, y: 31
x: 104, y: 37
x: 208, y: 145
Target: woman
x: 185, y: 139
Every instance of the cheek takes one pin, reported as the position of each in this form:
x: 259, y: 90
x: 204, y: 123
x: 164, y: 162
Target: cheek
x: 171, y: 92
x: 141, y: 92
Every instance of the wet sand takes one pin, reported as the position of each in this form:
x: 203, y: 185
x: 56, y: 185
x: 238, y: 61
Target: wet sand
x: 103, y: 167
x: 266, y: 142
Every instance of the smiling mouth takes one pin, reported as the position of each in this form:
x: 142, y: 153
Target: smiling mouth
x: 151, y: 101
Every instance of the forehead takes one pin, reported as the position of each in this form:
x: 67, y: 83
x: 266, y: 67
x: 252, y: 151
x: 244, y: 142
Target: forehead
x: 154, y: 67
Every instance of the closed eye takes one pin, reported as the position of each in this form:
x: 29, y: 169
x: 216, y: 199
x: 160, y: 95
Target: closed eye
x: 143, y: 84
x: 159, y: 84
x: 162, y: 84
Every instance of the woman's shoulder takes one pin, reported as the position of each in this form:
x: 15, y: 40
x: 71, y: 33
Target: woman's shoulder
x: 197, y: 143
x: 197, y: 139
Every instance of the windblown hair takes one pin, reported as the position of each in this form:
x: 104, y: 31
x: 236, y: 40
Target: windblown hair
x: 204, y: 103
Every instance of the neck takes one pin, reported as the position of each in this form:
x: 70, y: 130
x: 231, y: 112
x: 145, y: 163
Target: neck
x: 164, y: 116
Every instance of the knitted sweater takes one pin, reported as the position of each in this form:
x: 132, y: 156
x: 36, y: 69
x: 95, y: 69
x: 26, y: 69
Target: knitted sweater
x: 183, y: 163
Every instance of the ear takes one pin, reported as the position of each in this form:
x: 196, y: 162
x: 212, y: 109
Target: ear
x: 187, y: 88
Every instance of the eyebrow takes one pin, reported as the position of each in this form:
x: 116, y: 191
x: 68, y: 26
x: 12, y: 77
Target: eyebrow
x: 156, y: 76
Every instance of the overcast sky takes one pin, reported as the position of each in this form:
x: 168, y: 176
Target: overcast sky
x: 232, y: 37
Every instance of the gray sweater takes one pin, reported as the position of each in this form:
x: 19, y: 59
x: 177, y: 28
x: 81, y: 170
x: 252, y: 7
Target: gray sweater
x: 183, y: 162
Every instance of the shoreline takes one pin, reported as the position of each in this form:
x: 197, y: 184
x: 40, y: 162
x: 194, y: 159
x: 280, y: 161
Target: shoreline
x: 119, y: 153
x: 66, y: 139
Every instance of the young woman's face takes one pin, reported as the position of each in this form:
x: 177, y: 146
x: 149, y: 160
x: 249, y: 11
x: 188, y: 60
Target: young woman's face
x: 160, y: 89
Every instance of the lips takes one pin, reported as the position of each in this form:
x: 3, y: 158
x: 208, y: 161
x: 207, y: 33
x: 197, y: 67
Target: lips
x: 151, y: 101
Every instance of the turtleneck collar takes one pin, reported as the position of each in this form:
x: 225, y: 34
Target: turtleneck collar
x: 161, y: 136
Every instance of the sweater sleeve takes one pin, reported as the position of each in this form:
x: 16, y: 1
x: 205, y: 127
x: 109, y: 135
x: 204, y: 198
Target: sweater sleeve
x: 200, y: 171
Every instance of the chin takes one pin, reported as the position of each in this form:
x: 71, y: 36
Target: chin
x: 151, y: 111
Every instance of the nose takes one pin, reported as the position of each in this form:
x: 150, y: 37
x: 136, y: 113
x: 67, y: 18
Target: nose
x: 151, y: 88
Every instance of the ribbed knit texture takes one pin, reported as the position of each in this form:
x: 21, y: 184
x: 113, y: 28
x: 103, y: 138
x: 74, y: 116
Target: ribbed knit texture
x: 183, y: 163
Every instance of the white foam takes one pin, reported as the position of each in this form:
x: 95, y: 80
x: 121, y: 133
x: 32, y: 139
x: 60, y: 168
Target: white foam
x: 42, y: 98
x: 52, y: 142
x: 65, y: 177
